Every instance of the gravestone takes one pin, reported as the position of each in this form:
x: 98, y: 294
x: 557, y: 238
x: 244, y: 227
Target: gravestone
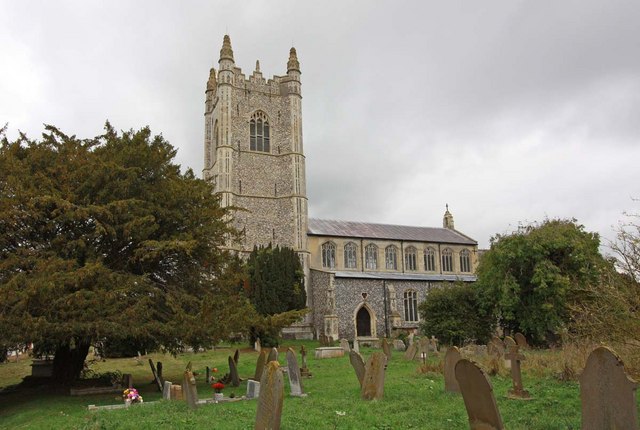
x: 324, y: 340
x: 344, y: 344
x: 157, y: 380
x: 356, y: 345
x: 410, y: 338
x: 176, y: 392
x: 253, y: 389
x: 127, y: 380
x: 423, y: 349
x: 358, y: 365
x: 410, y: 354
x: 608, y: 395
x: 166, y: 390
x: 304, y: 370
x: 189, y: 389
x: 233, y: 373
x: 271, y: 398
x: 159, y: 369
x: 207, y: 376
x: 479, y: 400
x: 236, y: 357
x: 386, y: 349
x: 433, y: 344
x: 521, y: 340
x: 373, y: 382
x: 273, y: 355
x: 509, y: 342
x: 517, y: 392
x: 262, y: 359
x: 451, y: 358
x: 257, y: 346
x: 399, y: 345
x: 293, y: 371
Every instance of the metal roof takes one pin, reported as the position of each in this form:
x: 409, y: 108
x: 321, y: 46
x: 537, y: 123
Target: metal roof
x: 405, y: 276
x: 365, y: 230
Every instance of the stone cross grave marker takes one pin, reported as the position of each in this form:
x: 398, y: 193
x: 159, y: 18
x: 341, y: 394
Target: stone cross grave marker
x: 156, y: 378
x: 521, y: 340
x: 509, y: 344
x: 271, y: 398
x: 410, y: 354
x: 358, y: 365
x: 344, y: 344
x: 386, y: 348
x: 479, y: 400
x: 608, y: 395
x: 514, y: 356
x: 236, y: 356
x: 233, y: 373
x: 399, y: 345
x: 304, y: 370
x: 451, y: 358
x: 373, y: 382
x: 273, y: 355
x: 356, y: 345
x: 189, y: 389
x: 293, y: 371
x: 262, y: 359
x: 423, y: 349
x: 166, y: 390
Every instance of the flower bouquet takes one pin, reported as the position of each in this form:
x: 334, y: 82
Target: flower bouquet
x: 218, y: 387
x: 131, y: 395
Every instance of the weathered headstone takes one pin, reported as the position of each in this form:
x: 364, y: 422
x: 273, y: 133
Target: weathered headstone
x: 373, y: 382
x: 386, y: 349
x: 176, y: 392
x: 257, y: 346
x: 189, y: 389
x: 433, y: 344
x: 608, y: 395
x: 423, y: 349
x: 262, y: 359
x: 324, y: 341
x: 293, y: 372
x: 207, y: 375
x: 155, y: 375
x: 236, y: 356
x: 410, y: 338
x: 304, y: 370
x: 273, y: 355
x: 451, y: 358
x: 271, y: 398
x: 344, y: 344
x: 356, y: 345
x: 509, y: 342
x: 411, y: 352
x: 253, y: 389
x: 358, y: 365
x: 233, y: 373
x: 479, y: 400
x: 399, y: 345
x: 127, y: 380
x: 166, y: 390
x: 498, y: 346
x: 159, y: 369
x: 521, y: 340
x: 514, y: 356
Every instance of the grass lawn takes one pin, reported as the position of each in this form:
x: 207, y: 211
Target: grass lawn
x: 412, y: 399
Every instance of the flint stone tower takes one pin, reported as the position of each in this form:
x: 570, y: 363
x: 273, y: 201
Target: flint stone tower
x: 253, y: 151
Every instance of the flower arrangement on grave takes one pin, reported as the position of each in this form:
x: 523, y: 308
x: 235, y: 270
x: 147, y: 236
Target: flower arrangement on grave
x: 131, y: 395
x: 218, y: 387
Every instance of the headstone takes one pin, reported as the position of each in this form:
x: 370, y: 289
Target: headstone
x: 411, y: 352
x: 159, y: 370
x: 509, y: 342
x: 189, y: 389
x: 514, y: 356
x: 253, y: 389
x: 127, y: 380
x: 233, y: 373
x: 257, y: 346
x: 273, y: 355
x: 262, y: 358
x: 521, y: 340
x: 166, y: 390
x: 236, y: 356
x: 479, y: 400
x: 423, y: 348
x: 304, y: 370
x: 410, y: 338
x: 208, y: 375
x: 386, y: 349
x: 155, y: 375
x: 344, y: 344
x: 497, y: 346
x: 293, y: 371
x: 608, y: 395
x: 451, y: 358
x: 399, y: 345
x: 358, y: 365
x: 373, y: 382
x: 356, y: 345
x: 271, y: 398
x: 433, y: 344
x: 176, y: 392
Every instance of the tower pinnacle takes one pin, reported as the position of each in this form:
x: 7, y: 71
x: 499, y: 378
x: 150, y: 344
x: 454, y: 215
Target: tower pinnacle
x: 211, y: 83
x: 226, y: 53
x: 293, y: 64
x: 447, y: 220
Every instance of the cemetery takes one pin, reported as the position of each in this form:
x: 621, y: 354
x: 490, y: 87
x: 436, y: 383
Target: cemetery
x: 379, y: 388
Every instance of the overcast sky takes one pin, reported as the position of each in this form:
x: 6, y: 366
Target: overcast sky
x: 509, y: 111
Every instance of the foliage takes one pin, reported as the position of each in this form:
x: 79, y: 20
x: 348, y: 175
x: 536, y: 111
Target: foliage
x: 451, y: 314
x: 105, y: 238
x: 529, y: 279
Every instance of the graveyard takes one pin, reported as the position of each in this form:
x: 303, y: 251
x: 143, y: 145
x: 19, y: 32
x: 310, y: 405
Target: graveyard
x: 411, y: 394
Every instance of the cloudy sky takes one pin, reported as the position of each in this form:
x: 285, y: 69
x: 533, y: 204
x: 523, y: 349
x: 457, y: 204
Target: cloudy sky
x: 509, y: 111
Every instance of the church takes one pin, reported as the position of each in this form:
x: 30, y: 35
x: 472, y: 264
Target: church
x: 363, y: 280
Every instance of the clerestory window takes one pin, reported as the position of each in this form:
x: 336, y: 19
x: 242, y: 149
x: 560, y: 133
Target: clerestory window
x: 410, y: 260
x: 391, y: 259
x: 350, y: 260
x: 328, y: 255
x: 465, y: 261
x: 371, y: 256
x: 429, y: 259
x: 447, y: 260
x: 259, y: 133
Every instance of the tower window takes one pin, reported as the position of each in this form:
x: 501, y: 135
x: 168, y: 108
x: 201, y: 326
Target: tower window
x: 465, y: 261
x: 447, y: 260
x: 259, y: 133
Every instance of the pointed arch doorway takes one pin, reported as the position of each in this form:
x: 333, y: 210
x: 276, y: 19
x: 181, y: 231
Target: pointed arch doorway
x: 363, y: 322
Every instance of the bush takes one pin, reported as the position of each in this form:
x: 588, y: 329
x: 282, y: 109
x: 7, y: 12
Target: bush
x: 451, y: 314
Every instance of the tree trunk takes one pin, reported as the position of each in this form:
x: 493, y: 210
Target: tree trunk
x: 68, y: 362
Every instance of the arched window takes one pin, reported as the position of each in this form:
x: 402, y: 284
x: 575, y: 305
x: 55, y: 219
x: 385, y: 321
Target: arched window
x: 328, y: 255
x: 371, y: 256
x: 447, y: 260
x: 259, y: 132
x: 410, y: 261
x: 430, y: 259
x: 410, y: 306
x: 465, y: 261
x: 350, y: 260
x: 390, y: 257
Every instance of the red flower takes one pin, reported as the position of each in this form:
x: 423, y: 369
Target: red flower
x: 218, y: 386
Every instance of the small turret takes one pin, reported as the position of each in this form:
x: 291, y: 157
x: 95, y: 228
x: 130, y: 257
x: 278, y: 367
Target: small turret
x: 226, y: 53
x: 257, y: 65
x: 212, y: 83
x: 447, y: 220
x: 293, y: 65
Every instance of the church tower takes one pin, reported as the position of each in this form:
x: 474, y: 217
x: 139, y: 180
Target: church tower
x: 253, y: 151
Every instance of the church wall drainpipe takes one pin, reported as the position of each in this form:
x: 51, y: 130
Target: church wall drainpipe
x: 384, y: 299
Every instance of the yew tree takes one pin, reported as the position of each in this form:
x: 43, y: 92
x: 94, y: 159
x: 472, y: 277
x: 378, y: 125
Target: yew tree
x: 106, y: 239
